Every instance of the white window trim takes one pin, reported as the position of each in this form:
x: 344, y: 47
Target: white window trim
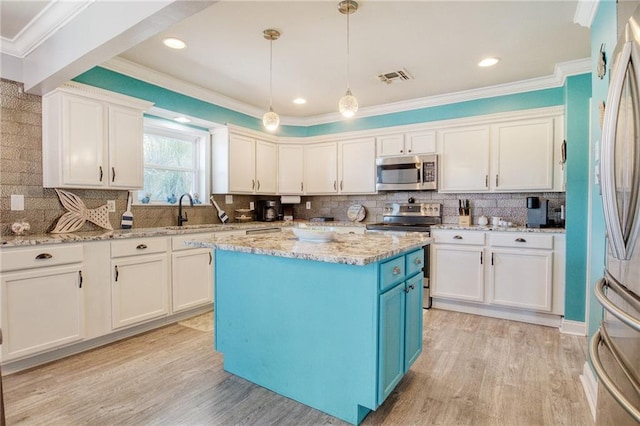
x: 203, y: 154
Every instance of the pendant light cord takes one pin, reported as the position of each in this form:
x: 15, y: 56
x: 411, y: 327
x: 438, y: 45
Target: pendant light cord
x: 348, y: 52
x: 271, y: 74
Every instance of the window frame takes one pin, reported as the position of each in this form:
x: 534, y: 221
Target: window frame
x: 202, y: 140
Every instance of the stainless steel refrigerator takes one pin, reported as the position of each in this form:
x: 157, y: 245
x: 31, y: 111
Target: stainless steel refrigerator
x: 615, y: 348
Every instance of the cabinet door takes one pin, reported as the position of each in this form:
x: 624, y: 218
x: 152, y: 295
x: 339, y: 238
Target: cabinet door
x: 421, y: 142
x: 390, y: 145
x: 413, y: 321
x: 522, y: 279
x: 457, y: 272
x: 320, y: 168
x: 290, y: 169
x: 84, y: 142
x: 266, y: 167
x: 192, y: 278
x: 523, y: 155
x: 357, y: 166
x: 41, y: 309
x: 464, y: 160
x: 125, y: 148
x: 391, y: 340
x: 242, y: 162
x: 139, y: 289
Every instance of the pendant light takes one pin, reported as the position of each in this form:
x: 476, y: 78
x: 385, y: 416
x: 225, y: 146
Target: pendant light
x: 270, y: 119
x: 348, y: 104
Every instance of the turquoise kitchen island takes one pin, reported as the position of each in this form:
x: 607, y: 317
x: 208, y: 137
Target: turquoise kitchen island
x: 333, y: 325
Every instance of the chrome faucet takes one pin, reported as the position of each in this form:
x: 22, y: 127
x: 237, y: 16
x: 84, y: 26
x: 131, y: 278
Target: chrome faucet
x: 182, y: 219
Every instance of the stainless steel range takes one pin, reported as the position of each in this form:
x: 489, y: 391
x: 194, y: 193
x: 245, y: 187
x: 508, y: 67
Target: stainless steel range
x: 412, y: 217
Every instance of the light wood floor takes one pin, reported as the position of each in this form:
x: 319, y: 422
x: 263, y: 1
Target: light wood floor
x: 473, y: 371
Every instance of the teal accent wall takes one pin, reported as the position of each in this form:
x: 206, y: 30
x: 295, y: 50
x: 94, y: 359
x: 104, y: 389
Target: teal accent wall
x: 574, y: 95
x: 603, y: 30
x: 577, y: 95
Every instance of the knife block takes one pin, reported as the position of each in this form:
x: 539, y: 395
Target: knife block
x: 464, y: 220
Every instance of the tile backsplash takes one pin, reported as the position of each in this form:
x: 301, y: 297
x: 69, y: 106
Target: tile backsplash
x: 21, y: 173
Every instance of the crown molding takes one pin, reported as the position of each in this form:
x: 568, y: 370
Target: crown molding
x: 561, y: 72
x: 585, y: 12
x: 50, y: 19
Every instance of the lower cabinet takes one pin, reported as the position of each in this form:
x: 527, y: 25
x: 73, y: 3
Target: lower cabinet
x: 42, y: 299
x: 140, y: 280
x: 191, y: 274
x: 458, y: 272
x: 400, y: 333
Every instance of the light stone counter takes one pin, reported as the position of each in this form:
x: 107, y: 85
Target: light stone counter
x: 492, y: 228
x: 350, y: 249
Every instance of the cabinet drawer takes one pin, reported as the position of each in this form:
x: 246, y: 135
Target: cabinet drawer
x: 458, y: 237
x: 177, y: 242
x: 521, y: 240
x: 35, y: 257
x: 138, y: 246
x: 392, y: 272
x: 414, y: 262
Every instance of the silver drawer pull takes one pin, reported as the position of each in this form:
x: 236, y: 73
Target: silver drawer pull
x: 141, y: 246
x: 44, y: 256
x: 396, y: 270
x: 417, y: 261
x: 457, y: 237
x: 520, y: 240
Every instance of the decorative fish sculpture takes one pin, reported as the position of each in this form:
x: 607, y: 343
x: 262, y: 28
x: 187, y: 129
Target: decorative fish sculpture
x: 77, y: 214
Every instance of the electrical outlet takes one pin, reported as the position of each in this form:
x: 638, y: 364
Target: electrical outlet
x: 252, y: 205
x: 111, y: 206
x: 17, y: 202
x: 308, y: 205
x: 228, y: 199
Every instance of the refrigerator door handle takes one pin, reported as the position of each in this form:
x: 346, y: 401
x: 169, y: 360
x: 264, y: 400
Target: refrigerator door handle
x: 604, y: 378
x: 620, y: 290
x: 622, y: 236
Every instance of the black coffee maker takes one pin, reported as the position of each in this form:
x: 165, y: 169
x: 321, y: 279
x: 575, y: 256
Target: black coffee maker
x: 537, y: 213
x: 267, y: 210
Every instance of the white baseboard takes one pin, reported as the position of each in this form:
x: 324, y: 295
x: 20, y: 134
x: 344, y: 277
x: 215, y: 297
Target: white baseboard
x: 577, y: 328
x: 550, y: 320
x: 590, y: 386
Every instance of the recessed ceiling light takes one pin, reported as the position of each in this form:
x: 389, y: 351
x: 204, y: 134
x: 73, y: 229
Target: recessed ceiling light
x: 488, y: 62
x: 182, y: 120
x: 174, y: 43
x: 299, y: 101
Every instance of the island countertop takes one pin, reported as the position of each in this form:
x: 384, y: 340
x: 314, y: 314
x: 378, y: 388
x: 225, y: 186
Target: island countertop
x: 350, y: 249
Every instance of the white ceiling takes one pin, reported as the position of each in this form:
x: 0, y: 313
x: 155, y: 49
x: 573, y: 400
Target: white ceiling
x: 438, y: 42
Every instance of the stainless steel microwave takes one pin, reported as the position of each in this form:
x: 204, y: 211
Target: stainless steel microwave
x: 407, y: 173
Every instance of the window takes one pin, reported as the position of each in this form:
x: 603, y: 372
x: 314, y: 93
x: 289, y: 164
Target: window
x: 175, y: 162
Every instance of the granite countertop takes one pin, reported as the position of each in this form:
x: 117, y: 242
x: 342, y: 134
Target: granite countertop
x: 350, y: 249
x: 454, y: 226
x: 33, y: 239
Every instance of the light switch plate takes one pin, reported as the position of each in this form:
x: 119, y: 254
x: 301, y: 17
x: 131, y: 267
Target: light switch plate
x: 308, y: 205
x: 228, y: 199
x: 111, y: 206
x: 17, y: 202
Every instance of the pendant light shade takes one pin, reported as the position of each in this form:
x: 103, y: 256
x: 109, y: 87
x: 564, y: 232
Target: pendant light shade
x: 348, y: 104
x: 271, y: 120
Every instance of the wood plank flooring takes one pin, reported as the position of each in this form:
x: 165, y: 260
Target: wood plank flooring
x: 473, y: 371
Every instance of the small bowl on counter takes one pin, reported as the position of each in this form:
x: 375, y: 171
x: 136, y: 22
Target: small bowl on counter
x: 244, y: 215
x: 314, y: 234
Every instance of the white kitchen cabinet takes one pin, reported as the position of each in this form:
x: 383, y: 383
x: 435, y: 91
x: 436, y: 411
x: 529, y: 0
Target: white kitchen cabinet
x: 140, y: 280
x: 458, y: 272
x: 191, y: 273
x: 42, y: 299
x: 464, y: 159
x: 290, y: 169
x: 92, y: 139
x: 413, y: 143
x: 357, y: 166
x: 321, y: 168
x: 242, y: 164
x: 522, y: 155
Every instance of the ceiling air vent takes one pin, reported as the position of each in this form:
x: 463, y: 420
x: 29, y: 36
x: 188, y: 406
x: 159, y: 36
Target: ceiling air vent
x: 395, y: 76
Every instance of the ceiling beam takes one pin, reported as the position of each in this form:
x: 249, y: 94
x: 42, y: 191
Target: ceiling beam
x: 100, y: 32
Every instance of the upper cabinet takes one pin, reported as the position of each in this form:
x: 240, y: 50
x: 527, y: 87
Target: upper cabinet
x: 412, y: 143
x: 242, y: 164
x: 92, y: 139
x: 356, y: 166
x: 290, y: 169
x: 512, y: 156
x: 321, y: 168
